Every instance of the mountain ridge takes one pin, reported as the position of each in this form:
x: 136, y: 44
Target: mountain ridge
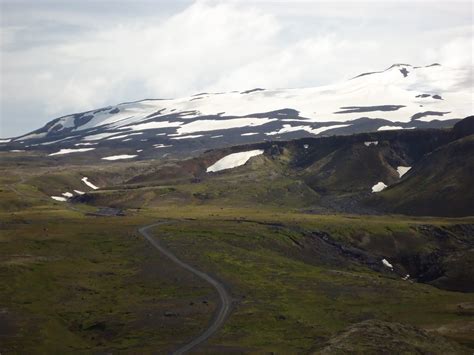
x: 400, y: 97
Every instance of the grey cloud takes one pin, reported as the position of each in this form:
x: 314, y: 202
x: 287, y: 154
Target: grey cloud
x: 60, y: 57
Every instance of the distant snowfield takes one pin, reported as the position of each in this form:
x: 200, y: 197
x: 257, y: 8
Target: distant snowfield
x: 233, y: 160
x: 379, y: 187
x: 400, y: 94
x: 5, y: 140
x: 69, y: 151
x: 402, y: 170
x: 119, y: 157
x: 86, y: 181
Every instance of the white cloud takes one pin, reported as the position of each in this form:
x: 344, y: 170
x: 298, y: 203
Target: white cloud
x: 208, y: 46
x: 457, y: 52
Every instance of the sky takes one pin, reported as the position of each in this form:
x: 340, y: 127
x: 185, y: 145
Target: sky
x: 64, y: 56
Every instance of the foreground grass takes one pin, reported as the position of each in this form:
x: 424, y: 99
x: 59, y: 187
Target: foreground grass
x: 286, y: 305
x: 76, y: 283
x: 79, y: 283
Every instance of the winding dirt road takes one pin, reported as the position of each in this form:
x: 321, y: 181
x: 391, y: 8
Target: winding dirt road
x: 221, y: 313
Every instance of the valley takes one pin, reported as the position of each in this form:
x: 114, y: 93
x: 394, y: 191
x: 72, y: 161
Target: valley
x: 312, y: 259
x: 236, y: 177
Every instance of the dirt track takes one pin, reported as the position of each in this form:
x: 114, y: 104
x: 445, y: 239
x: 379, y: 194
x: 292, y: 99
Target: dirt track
x: 223, y: 310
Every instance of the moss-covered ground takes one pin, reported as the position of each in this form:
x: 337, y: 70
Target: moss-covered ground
x: 72, y: 282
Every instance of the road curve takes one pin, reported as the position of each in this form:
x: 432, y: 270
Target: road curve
x: 221, y: 313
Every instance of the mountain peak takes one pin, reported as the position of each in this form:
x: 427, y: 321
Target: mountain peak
x: 395, y: 98
x: 396, y: 65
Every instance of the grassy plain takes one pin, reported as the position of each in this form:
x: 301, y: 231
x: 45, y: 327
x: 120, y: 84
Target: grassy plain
x: 76, y: 282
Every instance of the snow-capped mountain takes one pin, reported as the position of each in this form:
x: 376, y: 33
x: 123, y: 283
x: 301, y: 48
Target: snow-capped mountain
x: 400, y: 97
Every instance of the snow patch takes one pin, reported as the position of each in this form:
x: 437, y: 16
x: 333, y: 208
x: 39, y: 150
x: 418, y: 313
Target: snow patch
x: 79, y: 192
x: 59, y: 198
x: 86, y: 181
x: 387, y: 264
x: 215, y: 125
x: 152, y: 125
x: 402, y: 170
x: 379, y: 187
x: 56, y: 141
x: 16, y: 151
x: 389, y: 128
x: 69, y: 151
x: 249, y: 134
x: 233, y: 160
x: 124, y: 136
x: 189, y: 137
x: 118, y: 137
x: 5, y: 140
x: 82, y: 144
x: 96, y: 137
x: 32, y: 135
x: 369, y: 143
x: 119, y: 157
x: 161, y: 146
x: 289, y: 128
x: 67, y: 194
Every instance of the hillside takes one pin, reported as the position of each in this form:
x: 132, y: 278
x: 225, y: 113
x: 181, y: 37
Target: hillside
x: 289, y: 228
x: 422, y: 172
x: 439, y: 185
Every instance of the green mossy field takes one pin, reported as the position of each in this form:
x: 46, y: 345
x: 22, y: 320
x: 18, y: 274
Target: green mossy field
x: 75, y: 282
